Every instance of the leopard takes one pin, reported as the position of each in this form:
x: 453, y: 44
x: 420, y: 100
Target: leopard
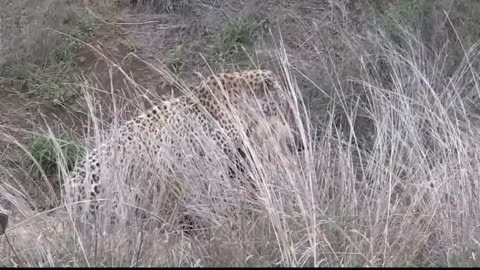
x: 220, y: 107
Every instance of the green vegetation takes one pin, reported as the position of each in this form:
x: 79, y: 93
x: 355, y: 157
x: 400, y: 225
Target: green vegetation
x: 406, y: 12
x: 177, y: 61
x: 45, y: 153
x: 164, y: 6
x: 175, y: 5
x: 239, y: 33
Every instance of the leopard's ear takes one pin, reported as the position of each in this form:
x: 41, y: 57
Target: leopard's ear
x: 272, y: 84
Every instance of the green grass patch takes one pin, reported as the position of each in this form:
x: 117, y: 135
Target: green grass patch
x: 164, y: 6
x: 47, y: 152
x: 240, y: 33
x: 406, y: 12
x: 178, y: 60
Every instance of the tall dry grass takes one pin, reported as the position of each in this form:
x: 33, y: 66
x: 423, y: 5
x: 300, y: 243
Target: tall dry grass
x: 405, y: 195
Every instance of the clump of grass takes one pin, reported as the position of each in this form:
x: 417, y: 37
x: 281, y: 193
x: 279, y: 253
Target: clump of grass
x: 44, y: 152
x: 47, y: 82
x: 165, y: 6
x: 177, y: 60
x: 240, y: 33
x: 175, y: 5
x: 406, y: 12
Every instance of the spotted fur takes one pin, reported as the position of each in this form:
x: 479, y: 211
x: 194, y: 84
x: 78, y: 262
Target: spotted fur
x: 208, y: 109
